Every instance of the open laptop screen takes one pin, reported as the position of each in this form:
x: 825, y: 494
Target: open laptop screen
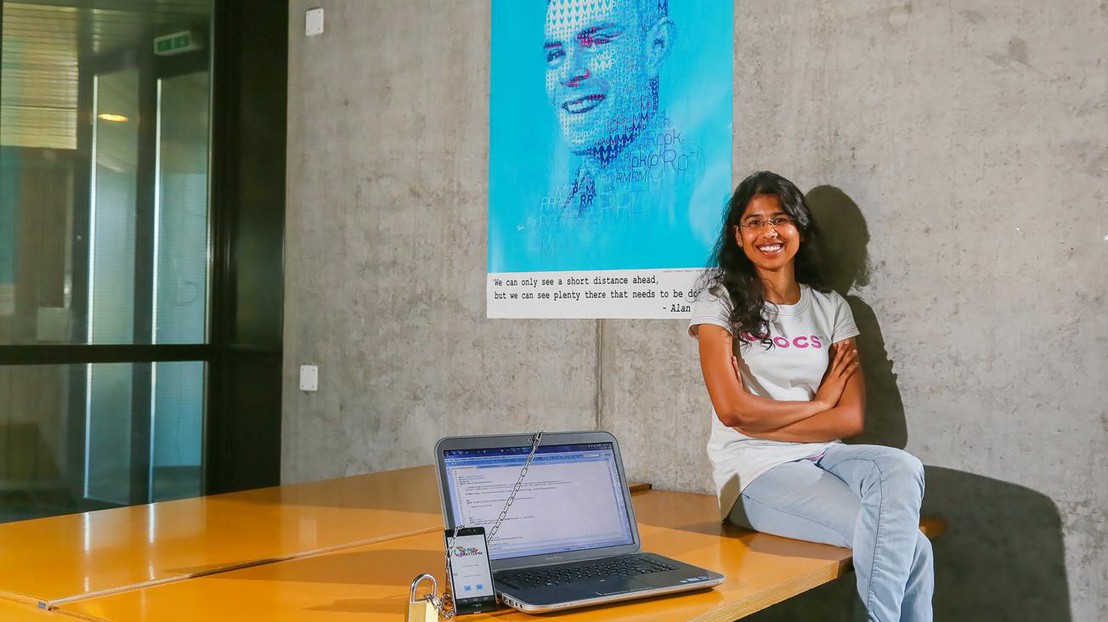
x: 571, y: 499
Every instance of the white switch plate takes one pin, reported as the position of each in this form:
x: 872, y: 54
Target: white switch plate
x: 309, y: 378
x: 313, y: 22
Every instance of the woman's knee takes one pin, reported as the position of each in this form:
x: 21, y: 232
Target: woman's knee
x: 899, y: 465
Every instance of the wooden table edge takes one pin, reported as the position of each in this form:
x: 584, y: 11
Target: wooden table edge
x: 728, y: 612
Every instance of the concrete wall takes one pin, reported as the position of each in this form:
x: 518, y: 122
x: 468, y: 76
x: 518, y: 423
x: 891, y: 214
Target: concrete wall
x: 959, y: 158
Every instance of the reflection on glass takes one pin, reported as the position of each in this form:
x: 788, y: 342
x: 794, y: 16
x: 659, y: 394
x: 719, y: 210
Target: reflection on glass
x: 33, y: 459
x: 36, y: 189
x: 108, y: 433
x: 46, y: 409
x: 181, y: 210
x: 177, y: 439
x: 9, y: 196
x: 111, y: 278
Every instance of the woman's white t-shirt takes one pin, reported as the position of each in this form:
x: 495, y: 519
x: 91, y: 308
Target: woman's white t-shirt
x: 791, y: 369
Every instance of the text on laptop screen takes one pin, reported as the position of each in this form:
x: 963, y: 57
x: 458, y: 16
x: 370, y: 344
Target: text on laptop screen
x: 571, y: 499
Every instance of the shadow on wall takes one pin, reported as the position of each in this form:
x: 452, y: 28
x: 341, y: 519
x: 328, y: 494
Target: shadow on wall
x: 1002, y: 557
x: 845, y: 263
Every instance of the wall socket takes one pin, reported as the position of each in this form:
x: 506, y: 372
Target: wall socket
x: 313, y: 22
x: 309, y: 378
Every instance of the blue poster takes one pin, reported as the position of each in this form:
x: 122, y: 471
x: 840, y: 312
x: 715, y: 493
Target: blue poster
x: 609, y: 146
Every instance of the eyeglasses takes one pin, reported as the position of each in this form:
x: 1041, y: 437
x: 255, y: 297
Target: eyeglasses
x: 758, y: 224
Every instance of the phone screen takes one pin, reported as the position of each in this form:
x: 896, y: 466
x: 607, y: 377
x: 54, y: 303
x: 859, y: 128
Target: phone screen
x: 470, y: 573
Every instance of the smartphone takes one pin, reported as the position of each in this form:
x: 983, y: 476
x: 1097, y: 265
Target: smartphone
x: 470, y: 570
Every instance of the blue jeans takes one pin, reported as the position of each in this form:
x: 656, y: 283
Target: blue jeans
x: 863, y: 497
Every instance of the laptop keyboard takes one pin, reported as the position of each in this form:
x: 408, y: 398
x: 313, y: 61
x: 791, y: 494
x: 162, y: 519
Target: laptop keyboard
x: 544, y: 576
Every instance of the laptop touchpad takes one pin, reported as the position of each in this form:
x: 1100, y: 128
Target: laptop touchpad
x: 618, y: 585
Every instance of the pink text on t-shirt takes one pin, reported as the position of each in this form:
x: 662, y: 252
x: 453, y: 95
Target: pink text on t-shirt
x: 804, y: 341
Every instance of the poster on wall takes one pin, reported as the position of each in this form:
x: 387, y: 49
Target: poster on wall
x: 609, y: 154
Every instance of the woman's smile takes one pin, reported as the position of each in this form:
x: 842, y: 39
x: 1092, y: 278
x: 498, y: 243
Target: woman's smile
x: 771, y: 249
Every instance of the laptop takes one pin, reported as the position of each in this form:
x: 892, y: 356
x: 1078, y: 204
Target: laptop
x: 570, y: 538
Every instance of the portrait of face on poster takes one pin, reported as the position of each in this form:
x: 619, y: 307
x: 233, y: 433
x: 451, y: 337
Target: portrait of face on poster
x: 609, y: 154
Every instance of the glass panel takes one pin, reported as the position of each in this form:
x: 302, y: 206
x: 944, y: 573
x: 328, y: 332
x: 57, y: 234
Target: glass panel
x: 177, y: 440
x: 68, y: 435
x: 108, y: 415
x: 34, y: 403
x: 38, y: 142
x: 74, y: 182
x: 181, y: 248
x: 36, y: 192
x: 111, y: 274
x: 103, y: 226
x: 9, y: 193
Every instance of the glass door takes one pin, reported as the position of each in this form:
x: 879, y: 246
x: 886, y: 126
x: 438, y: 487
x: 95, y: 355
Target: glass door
x: 180, y: 282
x: 110, y: 307
x: 104, y: 253
x: 147, y: 280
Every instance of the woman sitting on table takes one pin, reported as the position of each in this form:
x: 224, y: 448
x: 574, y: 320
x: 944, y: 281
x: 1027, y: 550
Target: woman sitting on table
x: 781, y: 366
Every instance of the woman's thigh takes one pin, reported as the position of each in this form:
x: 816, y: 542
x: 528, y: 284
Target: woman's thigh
x: 799, y: 500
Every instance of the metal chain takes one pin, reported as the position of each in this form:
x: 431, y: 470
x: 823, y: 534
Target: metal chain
x: 445, y: 604
x: 519, y: 482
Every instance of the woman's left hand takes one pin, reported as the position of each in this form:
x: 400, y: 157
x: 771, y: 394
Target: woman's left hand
x: 844, y: 363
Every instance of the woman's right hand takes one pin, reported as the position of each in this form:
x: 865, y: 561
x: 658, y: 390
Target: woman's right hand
x: 844, y: 362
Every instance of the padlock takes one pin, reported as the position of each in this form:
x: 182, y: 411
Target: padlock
x: 422, y: 610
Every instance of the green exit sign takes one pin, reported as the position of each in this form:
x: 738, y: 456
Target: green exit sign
x: 176, y: 43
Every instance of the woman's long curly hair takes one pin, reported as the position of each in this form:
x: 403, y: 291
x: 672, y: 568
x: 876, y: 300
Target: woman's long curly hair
x: 731, y: 270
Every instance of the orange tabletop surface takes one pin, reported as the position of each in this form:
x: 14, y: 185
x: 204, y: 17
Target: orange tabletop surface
x: 370, y: 582
x: 59, y: 559
x: 11, y: 611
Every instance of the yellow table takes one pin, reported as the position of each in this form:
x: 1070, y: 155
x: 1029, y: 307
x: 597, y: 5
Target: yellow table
x: 65, y: 558
x: 348, y: 548
x: 370, y: 582
x: 11, y: 611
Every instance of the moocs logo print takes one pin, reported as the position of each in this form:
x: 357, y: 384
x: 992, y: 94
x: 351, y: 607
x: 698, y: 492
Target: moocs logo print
x: 465, y: 551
